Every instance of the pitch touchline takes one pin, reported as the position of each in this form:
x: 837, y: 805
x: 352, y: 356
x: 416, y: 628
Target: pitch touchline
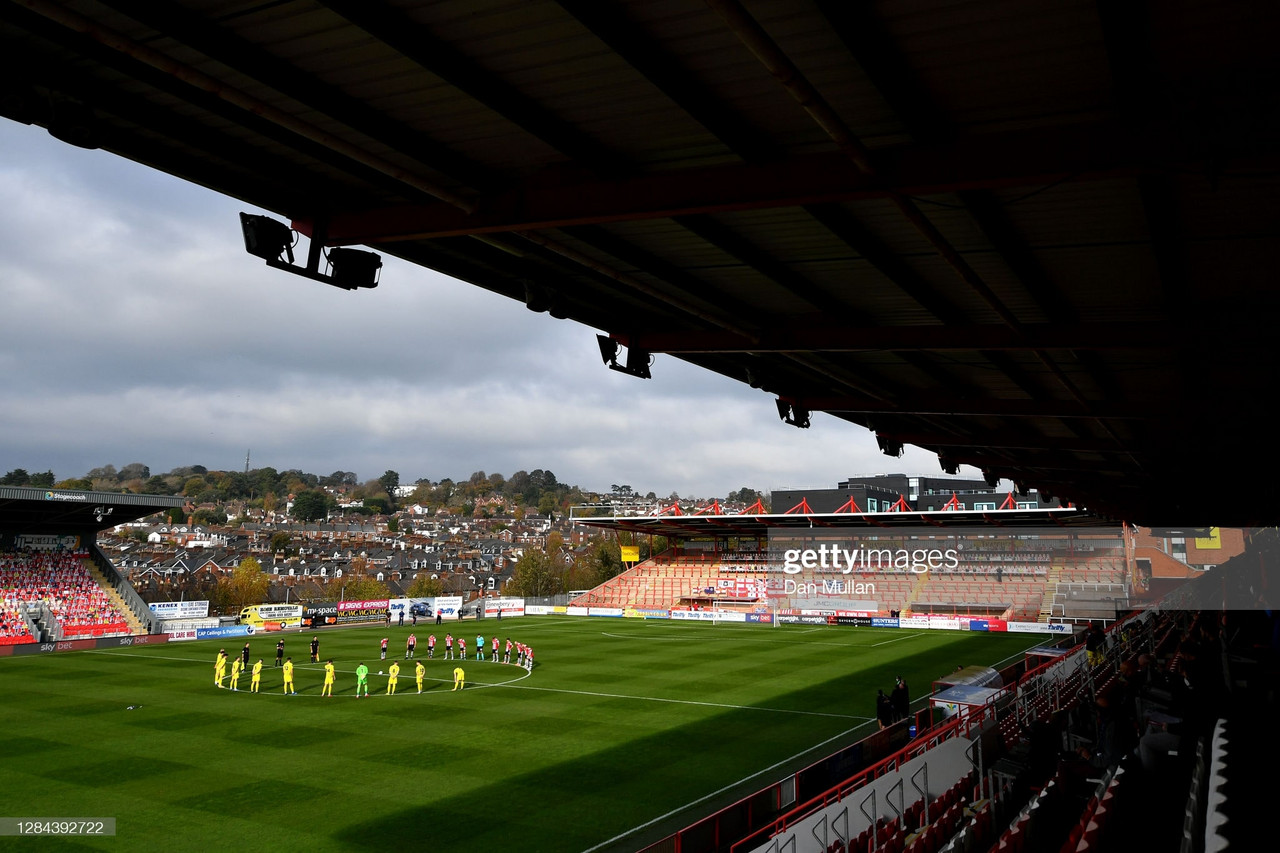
x: 515, y: 686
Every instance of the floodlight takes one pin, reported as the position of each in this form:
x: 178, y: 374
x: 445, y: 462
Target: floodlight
x: 265, y: 238
x: 796, y: 416
x: 889, y: 446
x: 348, y: 269
x: 638, y: 360
x: 354, y: 268
x: 608, y: 349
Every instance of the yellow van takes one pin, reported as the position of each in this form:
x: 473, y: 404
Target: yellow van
x: 271, y: 617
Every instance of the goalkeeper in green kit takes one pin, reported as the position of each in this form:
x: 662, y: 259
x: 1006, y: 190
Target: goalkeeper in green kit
x: 362, y: 680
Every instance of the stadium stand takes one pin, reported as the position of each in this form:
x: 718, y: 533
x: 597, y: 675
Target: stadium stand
x: 56, y: 595
x: 1068, y: 756
x: 672, y: 580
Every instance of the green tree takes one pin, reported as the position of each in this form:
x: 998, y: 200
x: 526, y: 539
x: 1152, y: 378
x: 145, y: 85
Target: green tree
x: 156, y: 485
x: 247, y: 584
x: 393, y: 525
x: 310, y: 506
x: 16, y: 477
x: 280, y: 541
x: 207, y: 517
x: 389, y: 481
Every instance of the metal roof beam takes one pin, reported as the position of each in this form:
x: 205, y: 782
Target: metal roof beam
x: 987, y: 407
x: 565, y: 197
x: 798, y: 336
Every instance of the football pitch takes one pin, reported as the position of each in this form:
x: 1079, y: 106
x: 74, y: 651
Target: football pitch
x: 622, y: 724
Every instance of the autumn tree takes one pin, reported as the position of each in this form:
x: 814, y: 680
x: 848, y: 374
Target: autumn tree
x: 536, y: 575
x: 247, y: 584
x: 425, y: 586
x: 365, y: 588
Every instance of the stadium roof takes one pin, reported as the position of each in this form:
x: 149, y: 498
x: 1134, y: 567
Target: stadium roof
x: 753, y: 525
x: 25, y: 510
x: 1034, y: 236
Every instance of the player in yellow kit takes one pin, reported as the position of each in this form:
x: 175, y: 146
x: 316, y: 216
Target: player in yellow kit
x: 237, y: 666
x: 459, y: 679
x: 420, y: 671
x: 220, y: 667
x: 392, y: 674
x: 257, y: 676
x: 288, y: 677
x: 327, y: 690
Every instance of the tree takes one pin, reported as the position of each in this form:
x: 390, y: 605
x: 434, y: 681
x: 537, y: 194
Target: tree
x: 247, y: 584
x: 310, y: 506
x: 365, y: 588
x: 133, y: 471
x: 75, y: 483
x: 156, y: 485
x: 208, y: 517
x: 744, y: 495
x: 42, y: 480
x: 425, y: 586
x: 390, y: 481
x: 393, y: 525
x: 106, y: 472
x: 536, y: 574
x: 16, y: 477
x: 378, y: 504
x: 280, y: 541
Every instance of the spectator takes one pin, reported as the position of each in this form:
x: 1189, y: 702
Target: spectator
x: 900, y: 699
x: 884, y: 710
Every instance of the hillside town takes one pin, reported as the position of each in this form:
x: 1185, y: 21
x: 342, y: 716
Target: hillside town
x: 333, y: 538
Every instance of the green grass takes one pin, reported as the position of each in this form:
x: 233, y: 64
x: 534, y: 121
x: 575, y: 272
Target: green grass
x: 620, y: 722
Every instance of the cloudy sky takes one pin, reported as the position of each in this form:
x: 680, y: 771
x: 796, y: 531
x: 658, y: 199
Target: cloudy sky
x: 136, y: 329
